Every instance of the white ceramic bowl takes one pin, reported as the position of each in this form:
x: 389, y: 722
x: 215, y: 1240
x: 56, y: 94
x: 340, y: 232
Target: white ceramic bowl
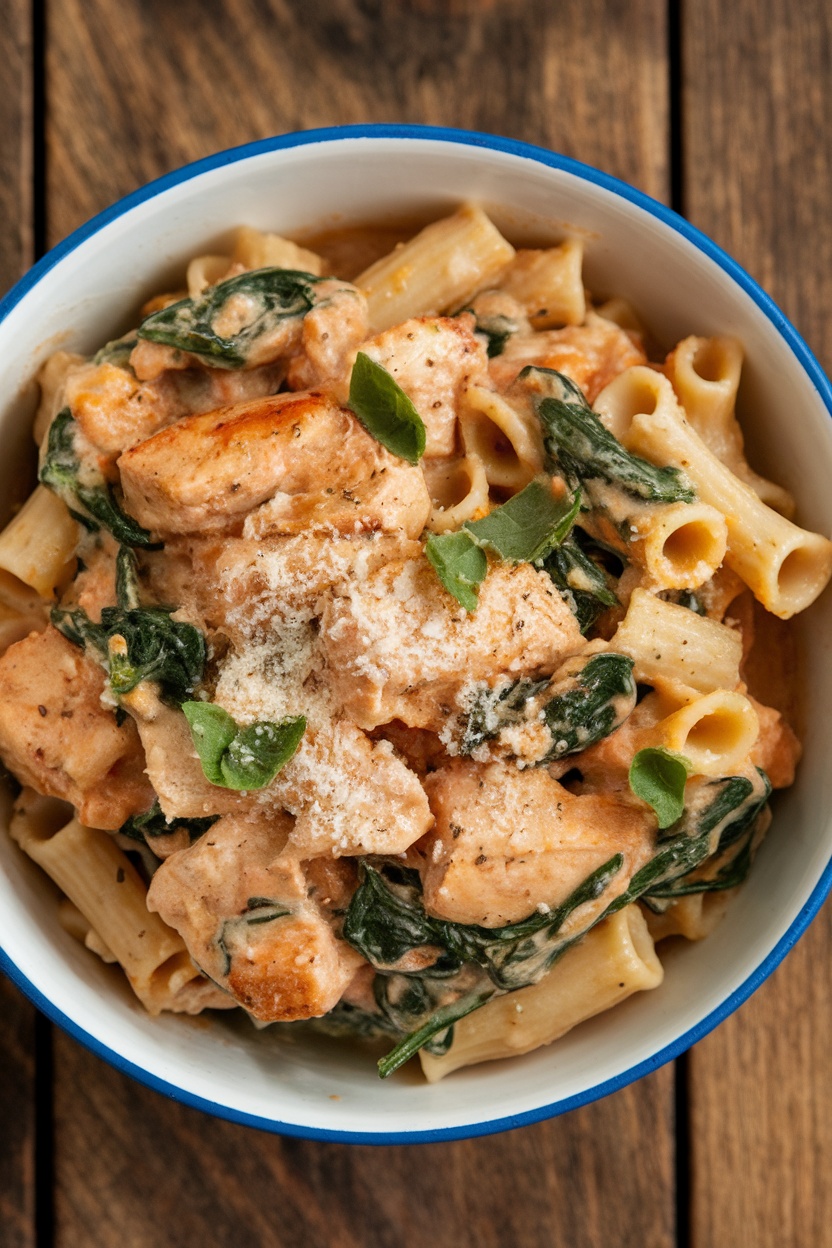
x: 682, y: 283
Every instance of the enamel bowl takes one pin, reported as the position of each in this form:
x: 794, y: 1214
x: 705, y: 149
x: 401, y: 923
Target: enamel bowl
x: 681, y: 283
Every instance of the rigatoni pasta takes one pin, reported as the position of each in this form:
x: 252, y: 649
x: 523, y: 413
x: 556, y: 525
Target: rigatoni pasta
x: 375, y: 653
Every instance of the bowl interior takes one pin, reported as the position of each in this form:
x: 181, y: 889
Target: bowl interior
x: 88, y: 293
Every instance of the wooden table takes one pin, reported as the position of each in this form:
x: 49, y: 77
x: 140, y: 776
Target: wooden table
x: 721, y: 108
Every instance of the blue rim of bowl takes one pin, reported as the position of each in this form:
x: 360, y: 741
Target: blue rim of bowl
x: 806, y: 358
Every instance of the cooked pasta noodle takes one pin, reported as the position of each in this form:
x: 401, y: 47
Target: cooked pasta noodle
x: 615, y: 960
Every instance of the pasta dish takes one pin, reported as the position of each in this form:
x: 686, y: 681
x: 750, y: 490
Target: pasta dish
x: 397, y: 655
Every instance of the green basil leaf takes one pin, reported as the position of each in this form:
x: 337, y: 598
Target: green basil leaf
x: 658, y: 777
x: 529, y: 525
x: 385, y: 411
x: 241, y: 758
x: 460, y: 565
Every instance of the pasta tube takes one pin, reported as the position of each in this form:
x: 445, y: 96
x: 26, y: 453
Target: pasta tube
x: 674, y: 646
x: 614, y: 960
x: 716, y: 732
x: 38, y: 544
x: 102, y: 882
x: 436, y: 271
x: 784, y: 566
x: 459, y: 489
x: 705, y: 373
x: 507, y: 442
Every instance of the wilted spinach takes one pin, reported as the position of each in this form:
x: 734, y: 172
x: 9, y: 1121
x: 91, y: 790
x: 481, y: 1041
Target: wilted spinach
x: 582, y: 450
x: 89, y: 497
x: 576, y: 710
x: 137, y: 643
x: 267, y: 299
x: 152, y: 823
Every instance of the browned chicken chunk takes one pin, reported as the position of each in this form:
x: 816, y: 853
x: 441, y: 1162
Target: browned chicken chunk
x: 56, y: 736
x: 591, y: 355
x: 249, y: 922
x: 307, y: 459
x: 433, y: 359
x: 400, y: 647
x: 508, y: 842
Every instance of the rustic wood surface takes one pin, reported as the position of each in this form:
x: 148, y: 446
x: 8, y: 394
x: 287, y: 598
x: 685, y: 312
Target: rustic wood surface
x: 720, y: 109
x: 18, y: 1091
x: 760, y: 1100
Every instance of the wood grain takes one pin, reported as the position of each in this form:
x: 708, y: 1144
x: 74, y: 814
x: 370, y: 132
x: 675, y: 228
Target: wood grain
x: 17, y: 1017
x: 758, y: 82
x: 134, y: 89
x: 145, y: 1173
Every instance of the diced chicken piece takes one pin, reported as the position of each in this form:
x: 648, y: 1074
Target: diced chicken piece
x: 399, y: 646
x: 507, y: 842
x: 114, y: 409
x: 56, y: 736
x: 332, y: 332
x: 434, y: 360
x: 591, y: 355
x: 777, y: 750
x: 307, y: 459
x: 173, y: 765
x: 242, y: 584
x: 248, y: 921
x: 350, y: 796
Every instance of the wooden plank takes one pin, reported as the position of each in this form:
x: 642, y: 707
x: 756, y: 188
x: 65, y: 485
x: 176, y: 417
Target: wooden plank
x: 758, y: 81
x: 135, y: 89
x: 142, y: 1172
x: 17, y: 1017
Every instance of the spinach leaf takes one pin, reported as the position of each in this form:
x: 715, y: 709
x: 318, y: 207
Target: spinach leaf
x: 241, y: 758
x: 717, y: 813
x: 577, y: 710
x: 443, y: 1019
x: 527, y: 526
x: 659, y: 777
x: 582, y: 583
x: 137, y: 643
x: 82, y: 486
x: 496, y: 328
x: 386, y: 920
x: 460, y: 565
x: 579, y: 447
x: 118, y: 351
x: 267, y: 298
x: 730, y: 818
x: 153, y: 646
x: 385, y: 411
x: 78, y: 628
x: 152, y: 823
